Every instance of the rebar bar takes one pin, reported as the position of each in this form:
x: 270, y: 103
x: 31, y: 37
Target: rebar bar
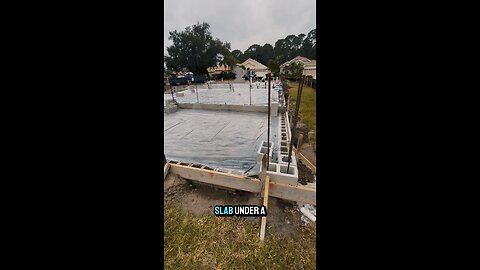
x: 295, y: 119
x: 268, y: 123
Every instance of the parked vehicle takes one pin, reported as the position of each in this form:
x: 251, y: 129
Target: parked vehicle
x: 187, y: 79
x: 178, y: 81
x: 200, y: 78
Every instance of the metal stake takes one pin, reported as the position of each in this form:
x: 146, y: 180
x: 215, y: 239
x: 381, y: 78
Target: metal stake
x: 250, y: 90
x: 196, y: 90
x: 297, y: 107
x: 171, y: 91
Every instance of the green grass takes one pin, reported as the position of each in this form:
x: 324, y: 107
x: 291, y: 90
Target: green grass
x: 308, y: 108
x: 210, y: 242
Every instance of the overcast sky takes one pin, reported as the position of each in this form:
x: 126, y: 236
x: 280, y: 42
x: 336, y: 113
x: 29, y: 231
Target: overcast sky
x: 242, y: 22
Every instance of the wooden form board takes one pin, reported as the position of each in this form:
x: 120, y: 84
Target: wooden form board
x: 278, y: 190
x: 305, y: 160
x: 217, y: 178
x: 293, y: 193
x: 165, y: 170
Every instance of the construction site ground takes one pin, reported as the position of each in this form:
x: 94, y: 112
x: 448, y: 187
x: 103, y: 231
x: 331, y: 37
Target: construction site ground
x: 284, y: 218
x: 195, y: 238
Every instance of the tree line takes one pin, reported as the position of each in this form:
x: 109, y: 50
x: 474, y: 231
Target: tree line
x: 195, y: 49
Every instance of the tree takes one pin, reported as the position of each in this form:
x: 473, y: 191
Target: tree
x: 293, y: 46
x: 266, y: 53
x: 253, y: 52
x: 273, y: 66
x: 309, y: 46
x: 294, y: 70
x: 237, y: 54
x: 195, y: 49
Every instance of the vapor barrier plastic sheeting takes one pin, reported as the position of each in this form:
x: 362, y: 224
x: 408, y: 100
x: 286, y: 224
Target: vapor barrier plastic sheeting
x: 222, y: 94
x: 218, y: 139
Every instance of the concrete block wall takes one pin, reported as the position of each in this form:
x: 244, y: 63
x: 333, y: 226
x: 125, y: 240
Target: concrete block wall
x: 278, y: 173
x: 281, y: 164
x: 262, y: 149
x: 285, y: 138
x: 274, y: 108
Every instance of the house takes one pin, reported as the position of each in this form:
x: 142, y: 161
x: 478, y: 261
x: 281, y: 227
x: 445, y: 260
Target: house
x: 218, y: 69
x: 260, y: 70
x: 310, y: 69
x: 309, y: 66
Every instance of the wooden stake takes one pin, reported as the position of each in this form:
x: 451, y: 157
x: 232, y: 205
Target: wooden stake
x: 165, y: 171
x: 263, y: 173
x: 305, y: 160
x: 299, y: 142
x: 265, y: 203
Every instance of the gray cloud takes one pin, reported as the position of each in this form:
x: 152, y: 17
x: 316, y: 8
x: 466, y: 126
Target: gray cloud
x: 242, y: 22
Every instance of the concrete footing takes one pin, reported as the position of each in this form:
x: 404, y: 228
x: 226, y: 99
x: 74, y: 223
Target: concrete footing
x: 224, y: 107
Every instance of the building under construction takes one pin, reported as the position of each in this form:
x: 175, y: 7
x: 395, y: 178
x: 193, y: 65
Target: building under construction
x: 236, y: 136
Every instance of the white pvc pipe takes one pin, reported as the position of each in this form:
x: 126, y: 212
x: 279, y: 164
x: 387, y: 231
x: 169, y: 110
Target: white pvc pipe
x: 308, y: 214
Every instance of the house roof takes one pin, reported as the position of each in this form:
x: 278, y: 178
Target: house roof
x: 304, y: 60
x: 253, y: 64
x: 218, y: 68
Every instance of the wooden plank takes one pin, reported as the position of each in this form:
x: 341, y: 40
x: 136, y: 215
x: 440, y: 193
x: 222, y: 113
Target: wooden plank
x: 305, y: 160
x: 263, y: 173
x: 277, y: 190
x: 217, y: 178
x: 165, y: 171
x: 265, y: 202
x: 293, y: 193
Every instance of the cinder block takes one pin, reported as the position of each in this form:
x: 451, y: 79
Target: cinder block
x: 283, y: 159
x: 263, y: 150
x: 278, y: 173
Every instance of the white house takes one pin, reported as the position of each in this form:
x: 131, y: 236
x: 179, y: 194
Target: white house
x: 309, y: 66
x: 218, y: 69
x: 260, y: 70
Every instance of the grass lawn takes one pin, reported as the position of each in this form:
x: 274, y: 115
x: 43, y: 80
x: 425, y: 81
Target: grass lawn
x: 308, y: 108
x: 209, y: 242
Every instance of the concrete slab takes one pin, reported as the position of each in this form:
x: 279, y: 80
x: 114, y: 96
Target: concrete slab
x: 223, y: 94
